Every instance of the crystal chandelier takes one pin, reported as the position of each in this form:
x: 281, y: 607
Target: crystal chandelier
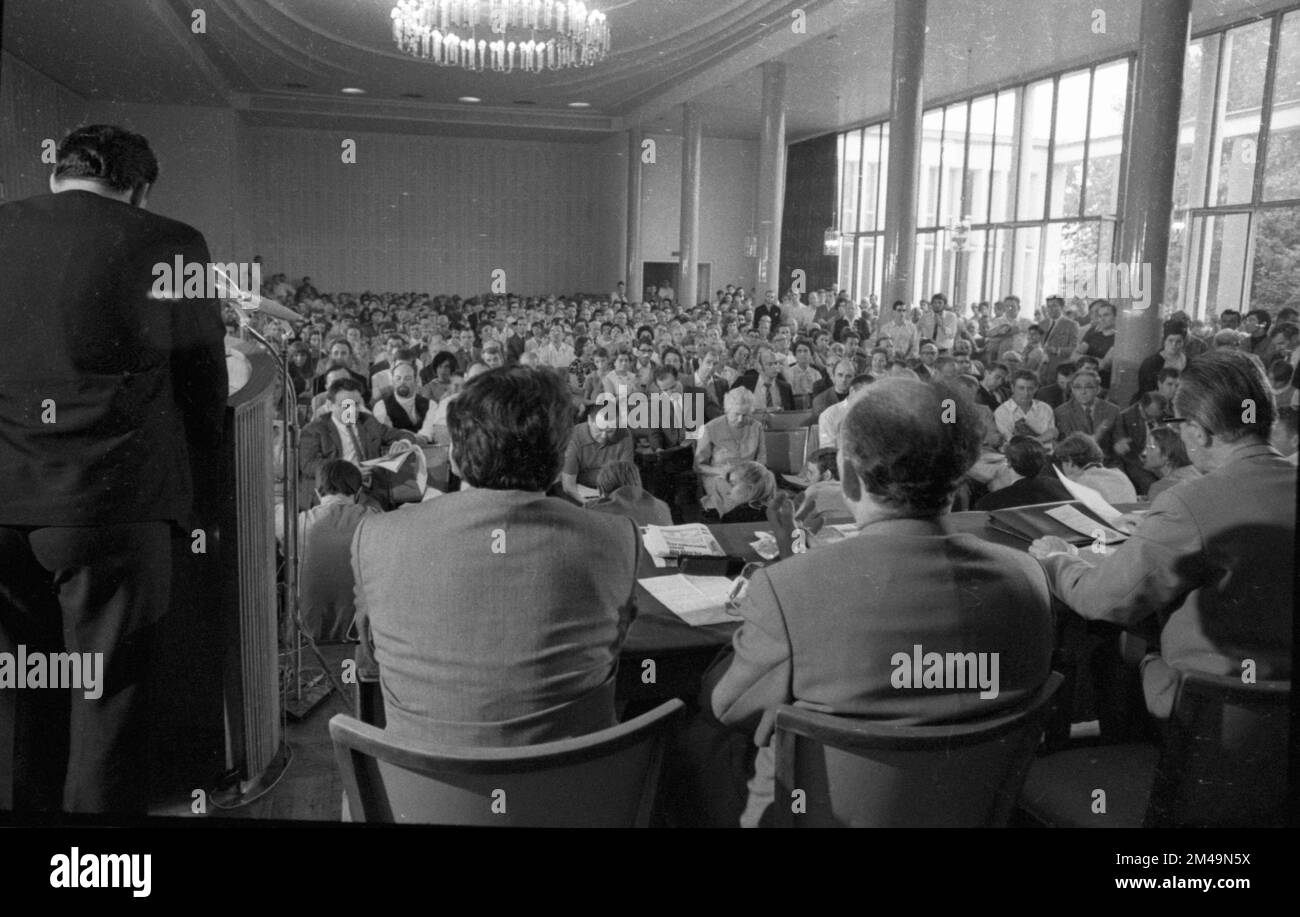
x: 531, y: 35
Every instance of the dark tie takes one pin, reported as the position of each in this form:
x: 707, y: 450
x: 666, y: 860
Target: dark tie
x: 356, y: 443
x: 771, y: 396
x: 1087, y: 417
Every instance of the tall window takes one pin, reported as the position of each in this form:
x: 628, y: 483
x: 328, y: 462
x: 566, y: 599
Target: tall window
x: 1235, y: 240
x: 1015, y: 187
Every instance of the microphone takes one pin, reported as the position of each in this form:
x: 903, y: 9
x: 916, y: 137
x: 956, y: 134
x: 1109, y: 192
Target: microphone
x: 245, y: 302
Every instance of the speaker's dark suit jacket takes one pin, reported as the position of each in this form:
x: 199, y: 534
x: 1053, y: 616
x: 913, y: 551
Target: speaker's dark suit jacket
x: 133, y: 388
x: 750, y: 380
x: 496, y: 616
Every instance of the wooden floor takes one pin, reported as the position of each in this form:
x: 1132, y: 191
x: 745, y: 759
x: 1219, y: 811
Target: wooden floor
x: 309, y: 789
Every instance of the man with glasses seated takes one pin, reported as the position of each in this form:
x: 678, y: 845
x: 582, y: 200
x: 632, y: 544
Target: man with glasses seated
x: 824, y: 630
x: 1088, y: 413
x: 1210, y: 566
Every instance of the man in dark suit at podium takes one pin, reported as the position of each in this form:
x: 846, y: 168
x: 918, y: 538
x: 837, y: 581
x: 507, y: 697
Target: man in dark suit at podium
x: 111, y: 408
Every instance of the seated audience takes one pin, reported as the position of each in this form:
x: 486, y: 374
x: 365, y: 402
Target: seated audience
x: 771, y: 392
x: 593, y: 445
x: 1171, y: 355
x: 1165, y: 457
x: 326, y: 600
x: 841, y: 376
x: 1026, y: 462
x: 1022, y: 414
x: 1211, y: 565
x: 820, y: 481
x: 1087, y: 412
x: 751, y: 489
x: 988, y: 391
x: 825, y: 630
x: 1080, y: 459
x: 346, y: 432
x: 831, y: 419
x: 1132, y: 428
x: 1058, y: 392
x: 621, y: 494
x: 404, y: 408
x: 532, y: 596
x: 732, y: 438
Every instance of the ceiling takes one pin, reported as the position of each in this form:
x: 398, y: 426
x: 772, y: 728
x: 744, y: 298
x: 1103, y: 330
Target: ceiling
x: 285, y: 62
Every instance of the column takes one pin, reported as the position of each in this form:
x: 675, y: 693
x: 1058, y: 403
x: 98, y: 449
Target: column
x: 632, y: 270
x: 1148, y: 186
x: 770, y: 199
x: 688, y: 238
x: 904, y: 151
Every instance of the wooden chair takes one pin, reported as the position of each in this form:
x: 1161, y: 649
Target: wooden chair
x: 860, y: 774
x: 1223, y: 763
x: 606, y: 779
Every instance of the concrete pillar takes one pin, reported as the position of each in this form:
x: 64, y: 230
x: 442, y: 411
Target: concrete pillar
x: 1148, y: 186
x: 770, y: 200
x: 905, y: 99
x: 632, y: 271
x: 688, y: 240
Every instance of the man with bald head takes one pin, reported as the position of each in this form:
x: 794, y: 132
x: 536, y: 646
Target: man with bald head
x: 841, y: 375
x: 834, y: 629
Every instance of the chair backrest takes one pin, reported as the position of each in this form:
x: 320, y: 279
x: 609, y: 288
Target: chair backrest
x: 785, y: 450
x: 605, y: 779
x: 1225, y: 754
x: 862, y: 774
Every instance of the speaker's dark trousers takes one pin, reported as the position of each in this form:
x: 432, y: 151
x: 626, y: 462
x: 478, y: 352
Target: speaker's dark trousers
x: 95, y: 589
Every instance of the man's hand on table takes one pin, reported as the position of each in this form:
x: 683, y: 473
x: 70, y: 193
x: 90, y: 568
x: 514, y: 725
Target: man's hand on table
x: 1051, y: 545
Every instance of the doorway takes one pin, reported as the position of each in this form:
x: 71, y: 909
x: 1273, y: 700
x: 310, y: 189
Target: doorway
x: 657, y: 274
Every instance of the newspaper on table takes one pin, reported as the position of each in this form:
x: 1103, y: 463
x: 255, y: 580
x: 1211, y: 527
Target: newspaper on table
x: 693, y: 540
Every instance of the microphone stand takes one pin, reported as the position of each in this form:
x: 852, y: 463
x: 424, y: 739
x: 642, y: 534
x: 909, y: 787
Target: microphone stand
x: 298, y: 707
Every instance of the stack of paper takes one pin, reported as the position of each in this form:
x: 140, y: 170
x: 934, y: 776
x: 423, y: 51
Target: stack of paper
x: 681, y: 541
x: 697, y: 600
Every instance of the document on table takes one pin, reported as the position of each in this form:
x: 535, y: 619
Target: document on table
x: 681, y: 540
x: 588, y: 493
x: 1091, y: 499
x: 697, y: 600
x: 1071, y: 518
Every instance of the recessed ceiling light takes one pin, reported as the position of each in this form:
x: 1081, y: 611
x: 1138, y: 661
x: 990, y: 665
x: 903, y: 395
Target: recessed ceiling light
x: 580, y: 105
x: 352, y: 91
x: 469, y: 99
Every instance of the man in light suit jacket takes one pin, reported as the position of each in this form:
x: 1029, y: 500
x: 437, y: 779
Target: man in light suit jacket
x: 1211, y: 564
x: 1087, y: 412
x: 497, y: 613
x: 834, y: 630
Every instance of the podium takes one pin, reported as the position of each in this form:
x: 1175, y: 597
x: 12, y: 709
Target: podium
x: 217, y: 711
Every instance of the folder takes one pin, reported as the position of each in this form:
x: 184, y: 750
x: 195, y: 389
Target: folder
x: 1031, y: 522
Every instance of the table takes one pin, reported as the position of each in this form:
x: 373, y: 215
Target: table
x: 681, y: 653
x: 663, y: 656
